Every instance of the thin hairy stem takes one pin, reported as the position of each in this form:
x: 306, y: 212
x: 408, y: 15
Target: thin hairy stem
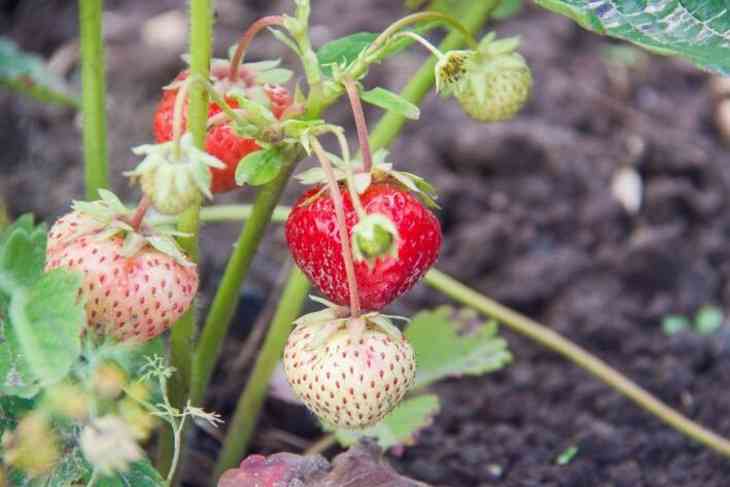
x: 334, y: 189
x: 361, y: 123
x: 144, y: 204
x: 246, y: 39
x: 420, y: 17
x: 178, y: 116
x: 422, y: 41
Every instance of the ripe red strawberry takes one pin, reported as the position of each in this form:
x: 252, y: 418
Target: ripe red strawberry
x: 132, y: 298
x: 314, y: 242
x: 221, y: 141
x: 349, y: 382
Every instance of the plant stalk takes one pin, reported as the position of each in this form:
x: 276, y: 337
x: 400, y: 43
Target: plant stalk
x: 93, y: 97
x: 576, y: 354
x: 224, y: 304
x: 183, y: 332
x: 361, y: 123
x: 244, y: 420
x: 246, y: 39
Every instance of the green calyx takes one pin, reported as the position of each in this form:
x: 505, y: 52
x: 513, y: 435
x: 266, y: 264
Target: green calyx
x: 323, y: 324
x: 174, y: 180
x: 491, y: 83
x: 110, y: 218
x: 375, y: 236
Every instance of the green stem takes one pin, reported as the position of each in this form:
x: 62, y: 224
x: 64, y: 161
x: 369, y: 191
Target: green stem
x: 418, y: 87
x: 249, y: 404
x: 463, y: 29
x: 183, y: 332
x: 224, y: 304
x: 93, y: 101
x: 555, y: 342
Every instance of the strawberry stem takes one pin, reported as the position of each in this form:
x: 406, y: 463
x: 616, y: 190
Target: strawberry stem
x: 360, y: 122
x: 144, y: 204
x: 334, y: 189
x: 177, y: 117
x: 246, y: 39
x: 422, y: 41
x: 420, y: 17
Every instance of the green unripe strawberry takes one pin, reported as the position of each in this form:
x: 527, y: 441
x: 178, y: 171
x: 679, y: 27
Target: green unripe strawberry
x: 491, y: 83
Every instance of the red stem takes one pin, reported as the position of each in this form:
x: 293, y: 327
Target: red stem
x: 342, y: 226
x: 360, y: 122
x: 246, y: 39
x: 144, y: 204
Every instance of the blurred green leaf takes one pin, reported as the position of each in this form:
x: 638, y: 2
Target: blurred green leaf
x: 140, y: 474
x: 28, y: 74
x: 259, y: 167
x: 40, y: 314
x: 343, y: 50
x: 442, y: 352
x: 698, y: 30
x: 400, y: 426
x: 507, y: 9
x: 387, y: 100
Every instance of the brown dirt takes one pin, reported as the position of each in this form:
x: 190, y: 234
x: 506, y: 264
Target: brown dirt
x: 529, y: 219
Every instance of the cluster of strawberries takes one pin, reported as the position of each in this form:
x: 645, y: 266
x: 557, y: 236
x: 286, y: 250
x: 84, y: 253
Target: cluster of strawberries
x: 362, y: 245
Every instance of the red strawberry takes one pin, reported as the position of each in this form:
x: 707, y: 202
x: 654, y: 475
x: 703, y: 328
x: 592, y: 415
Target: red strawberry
x: 221, y: 141
x: 131, y: 298
x: 314, y: 242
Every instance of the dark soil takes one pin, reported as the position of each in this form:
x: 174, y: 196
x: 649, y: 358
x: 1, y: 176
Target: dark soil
x: 529, y: 219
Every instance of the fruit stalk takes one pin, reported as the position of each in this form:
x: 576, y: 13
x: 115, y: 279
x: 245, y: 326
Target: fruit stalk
x: 361, y: 123
x: 144, y: 204
x: 555, y: 342
x: 249, y: 404
x: 395, y: 27
x: 334, y: 189
x: 246, y: 39
x: 93, y: 101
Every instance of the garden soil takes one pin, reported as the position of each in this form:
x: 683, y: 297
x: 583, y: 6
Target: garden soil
x: 529, y: 219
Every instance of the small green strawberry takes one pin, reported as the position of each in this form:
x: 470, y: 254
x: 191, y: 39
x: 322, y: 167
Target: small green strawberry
x: 491, y: 83
x: 174, y: 180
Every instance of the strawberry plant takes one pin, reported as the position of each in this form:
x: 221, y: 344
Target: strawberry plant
x: 89, y: 372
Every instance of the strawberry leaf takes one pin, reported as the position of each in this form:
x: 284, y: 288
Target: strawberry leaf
x: 400, y: 426
x: 28, y: 74
x: 344, y: 50
x: 387, y: 100
x: 259, y: 167
x: 40, y: 316
x: 140, y: 474
x: 444, y: 352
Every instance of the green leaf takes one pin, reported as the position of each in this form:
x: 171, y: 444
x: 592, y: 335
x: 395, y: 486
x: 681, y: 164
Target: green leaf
x: 695, y: 29
x: 708, y: 320
x: 28, y: 74
x: 259, y: 167
x: 11, y: 410
x: 344, y: 50
x: 400, y: 426
x: 132, y: 357
x: 70, y: 471
x: 40, y: 314
x: 387, y: 100
x: 140, y: 474
x: 672, y: 324
x: 442, y: 352
x: 507, y: 9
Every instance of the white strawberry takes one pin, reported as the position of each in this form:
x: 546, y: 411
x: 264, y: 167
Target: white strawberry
x: 348, y: 381
x: 135, y: 285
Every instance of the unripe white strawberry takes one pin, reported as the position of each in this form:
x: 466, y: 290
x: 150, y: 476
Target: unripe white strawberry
x: 135, y: 284
x: 491, y: 83
x: 174, y: 176
x: 349, y: 381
